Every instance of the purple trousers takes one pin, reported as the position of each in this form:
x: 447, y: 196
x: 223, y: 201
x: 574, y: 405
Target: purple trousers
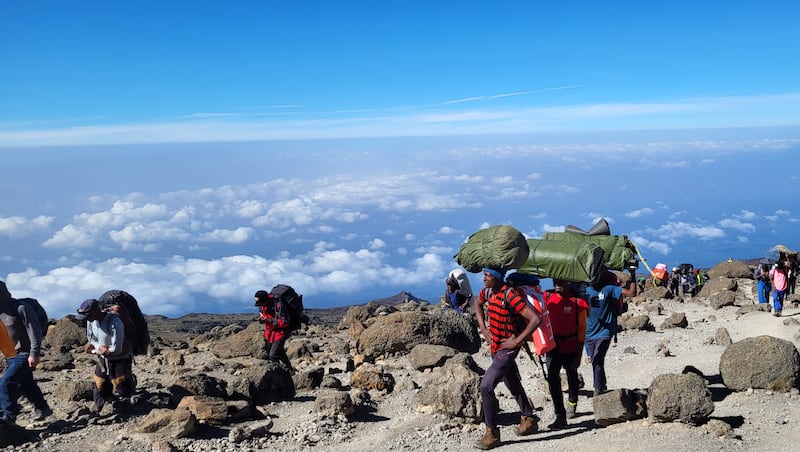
x: 503, y: 368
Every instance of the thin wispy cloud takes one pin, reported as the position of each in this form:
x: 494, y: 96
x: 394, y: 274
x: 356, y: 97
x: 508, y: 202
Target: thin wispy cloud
x: 518, y: 93
x: 691, y: 113
x: 211, y: 115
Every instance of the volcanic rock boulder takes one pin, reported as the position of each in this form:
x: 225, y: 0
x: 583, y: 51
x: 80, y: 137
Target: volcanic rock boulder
x: 426, y: 356
x: 454, y: 392
x: 635, y: 322
x: 676, y: 320
x: 334, y: 403
x: 198, y: 384
x: 716, y: 285
x: 65, y: 335
x: 618, y: 405
x: 679, y: 397
x: 723, y: 337
x: 167, y: 424
x: 248, y: 342
x: 206, y: 409
x: 265, y: 383
x: 763, y: 362
x: 735, y: 269
x: 358, y: 313
x: 722, y: 298
x: 371, y: 377
x: 400, y: 332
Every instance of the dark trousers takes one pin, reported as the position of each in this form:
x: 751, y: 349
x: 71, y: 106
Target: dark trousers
x: 277, y: 352
x: 503, y: 368
x: 16, y: 381
x: 597, y: 348
x: 556, y: 361
x: 112, y: 378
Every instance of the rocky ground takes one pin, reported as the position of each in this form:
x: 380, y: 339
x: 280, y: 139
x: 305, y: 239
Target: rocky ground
x: 759, y: 419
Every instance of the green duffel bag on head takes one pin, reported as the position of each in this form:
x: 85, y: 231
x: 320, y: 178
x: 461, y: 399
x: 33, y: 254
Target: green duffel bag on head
x: 619, y: 253
x: 500, y: 246
x: 560, y: 259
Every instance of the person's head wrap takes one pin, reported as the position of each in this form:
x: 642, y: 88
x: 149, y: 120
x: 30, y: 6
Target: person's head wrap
x: 496, y: 272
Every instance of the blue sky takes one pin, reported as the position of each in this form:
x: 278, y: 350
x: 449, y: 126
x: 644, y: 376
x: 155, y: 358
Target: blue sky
x: 194, y: 152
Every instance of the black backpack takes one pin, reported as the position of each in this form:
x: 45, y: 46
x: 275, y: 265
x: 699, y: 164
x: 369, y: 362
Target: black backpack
x: 38, y: 309
x: 293, y: 303
x: 126, y: 307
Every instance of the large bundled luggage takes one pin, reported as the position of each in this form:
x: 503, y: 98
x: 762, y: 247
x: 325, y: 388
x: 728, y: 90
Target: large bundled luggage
x: 125, y: 305
x: 500, y: 246
x: 660, y: 272
x: 619, y: 252
x: 462, y: 280
x: 576, y: 261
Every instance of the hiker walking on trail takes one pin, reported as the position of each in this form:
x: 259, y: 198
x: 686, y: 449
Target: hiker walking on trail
x: 568, y: 317
x: 605, y: 299
x: 791, y: 276
x: 764, y: 283
x: 113, y: 372
x: 275, y: 317
x: 503, y: 306
x: 779, y: 280
x: 456, y: 298
x: 21, y: 346
x: 458, y: 292
x: 675, y: 281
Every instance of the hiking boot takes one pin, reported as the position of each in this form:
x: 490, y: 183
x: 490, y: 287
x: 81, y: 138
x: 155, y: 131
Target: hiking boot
x: 527, y: 425
x: 489, y: 440
x: 572, y: 410
x: 559, y: 423
x: 40, y: 414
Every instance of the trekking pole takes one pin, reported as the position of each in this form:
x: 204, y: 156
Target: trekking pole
x: 528, y: 350
x: 544, y: 372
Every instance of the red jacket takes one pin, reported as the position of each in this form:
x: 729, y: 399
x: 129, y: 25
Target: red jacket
x: 568, y: 318
x: 274, y: 321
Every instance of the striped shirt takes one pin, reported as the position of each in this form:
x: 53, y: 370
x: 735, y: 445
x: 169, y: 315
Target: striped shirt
x: 503, y: 314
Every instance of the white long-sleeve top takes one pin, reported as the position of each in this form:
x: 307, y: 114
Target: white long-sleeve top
x: 110, y: 331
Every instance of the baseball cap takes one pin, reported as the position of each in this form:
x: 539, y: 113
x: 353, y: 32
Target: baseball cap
x: 86, y: 307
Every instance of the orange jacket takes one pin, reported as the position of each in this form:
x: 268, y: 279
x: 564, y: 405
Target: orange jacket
x: 6, y: 344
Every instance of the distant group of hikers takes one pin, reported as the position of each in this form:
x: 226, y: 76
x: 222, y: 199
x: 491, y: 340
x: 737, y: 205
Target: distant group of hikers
x: 780, y: 279
x: 580, y: 316
x: 684, y: 280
